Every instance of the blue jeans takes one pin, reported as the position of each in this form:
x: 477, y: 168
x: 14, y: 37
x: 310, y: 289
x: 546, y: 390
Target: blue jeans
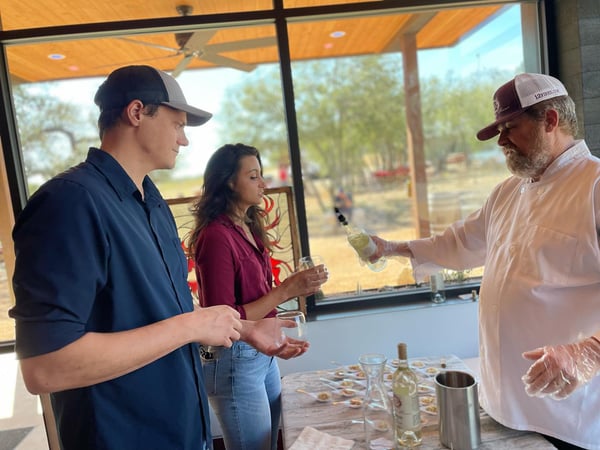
x: 244, y: 390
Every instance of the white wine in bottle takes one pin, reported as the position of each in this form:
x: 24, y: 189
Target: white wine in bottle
x: 362, y: 243
x: 407, y: 415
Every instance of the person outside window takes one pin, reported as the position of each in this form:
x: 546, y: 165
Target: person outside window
x: 343, y: 202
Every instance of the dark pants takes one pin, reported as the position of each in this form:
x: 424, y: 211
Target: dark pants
x: 560, y: 445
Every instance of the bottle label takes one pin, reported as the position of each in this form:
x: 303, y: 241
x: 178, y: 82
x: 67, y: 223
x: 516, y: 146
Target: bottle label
x: 406, y: 411
x: 363, y: 244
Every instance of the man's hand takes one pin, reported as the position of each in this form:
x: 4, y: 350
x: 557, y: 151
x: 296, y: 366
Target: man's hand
x: 559, y: 370
x: 266, y: 336
x: 216, y: 325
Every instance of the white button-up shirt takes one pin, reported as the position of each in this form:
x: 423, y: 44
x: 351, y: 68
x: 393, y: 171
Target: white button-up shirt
x: 541, y: 286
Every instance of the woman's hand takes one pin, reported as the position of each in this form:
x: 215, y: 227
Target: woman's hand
x: 305, y: 282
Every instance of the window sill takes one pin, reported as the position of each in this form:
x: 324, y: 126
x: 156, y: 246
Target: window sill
x: 405, y: 306
x: 391, y: 300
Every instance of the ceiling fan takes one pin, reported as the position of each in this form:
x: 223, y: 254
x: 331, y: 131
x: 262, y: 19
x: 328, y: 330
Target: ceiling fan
x: 195, y: 45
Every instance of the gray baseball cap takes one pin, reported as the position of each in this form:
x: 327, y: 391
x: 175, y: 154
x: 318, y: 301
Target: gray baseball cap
x: 149, y: 85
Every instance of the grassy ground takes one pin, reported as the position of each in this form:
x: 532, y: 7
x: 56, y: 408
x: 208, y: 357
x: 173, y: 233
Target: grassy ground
x: 387, y: 212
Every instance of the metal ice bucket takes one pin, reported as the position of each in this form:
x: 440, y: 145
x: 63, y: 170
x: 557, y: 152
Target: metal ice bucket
x: 458, y: 410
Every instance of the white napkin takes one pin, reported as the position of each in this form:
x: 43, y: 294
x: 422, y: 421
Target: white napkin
x: 312, y: 439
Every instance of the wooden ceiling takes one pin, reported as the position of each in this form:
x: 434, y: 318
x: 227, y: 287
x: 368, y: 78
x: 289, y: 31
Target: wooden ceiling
x: 310, y: 39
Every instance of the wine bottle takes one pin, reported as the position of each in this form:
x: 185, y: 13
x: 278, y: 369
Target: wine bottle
x: 407, y: 415
x: 362, y: 243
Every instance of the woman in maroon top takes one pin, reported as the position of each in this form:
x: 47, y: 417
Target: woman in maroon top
x: 233, y: 268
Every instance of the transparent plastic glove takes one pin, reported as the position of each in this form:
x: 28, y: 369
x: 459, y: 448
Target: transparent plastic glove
x: 559, y: 370
x: 390, y: 248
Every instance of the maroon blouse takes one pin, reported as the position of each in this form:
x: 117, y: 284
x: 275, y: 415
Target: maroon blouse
x: 229, y: 268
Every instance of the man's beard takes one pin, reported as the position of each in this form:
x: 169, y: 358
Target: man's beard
x: 532, y: 165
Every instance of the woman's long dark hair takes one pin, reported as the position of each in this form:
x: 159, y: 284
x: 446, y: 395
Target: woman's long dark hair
x: 218, y: 197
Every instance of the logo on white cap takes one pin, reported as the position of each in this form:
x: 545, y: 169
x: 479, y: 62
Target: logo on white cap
x: 533, y: 88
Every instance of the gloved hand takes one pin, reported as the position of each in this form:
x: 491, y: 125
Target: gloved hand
x: 390, y: 248
x: 560, y: 369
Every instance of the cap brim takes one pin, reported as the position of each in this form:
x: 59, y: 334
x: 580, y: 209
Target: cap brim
x: 488, y: 132
x: 492, y: 129
x: 195, y: 116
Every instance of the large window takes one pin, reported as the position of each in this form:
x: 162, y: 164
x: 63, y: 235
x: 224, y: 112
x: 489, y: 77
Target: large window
x: 373, y: 107
x: 57, y: 118
x: 361, y: 148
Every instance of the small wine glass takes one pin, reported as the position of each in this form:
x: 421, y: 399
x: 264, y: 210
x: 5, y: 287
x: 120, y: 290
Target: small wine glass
x: 300, y: 330
x: 306, y: 262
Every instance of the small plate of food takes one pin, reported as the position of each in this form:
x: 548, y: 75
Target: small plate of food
x: 430, y: 409
x: 346, y: 383
x: 425, y: 389
x: 354, y: 368
x: 340, y: 374
x: 353, y: 383
x: 381, y: 425
x: 431, y: 371
x: 322, y: 396
x: 418, y: 364
x: 347, y: 392
x: 351, y: 403
x: 355, y: 402
x: 426, y: 400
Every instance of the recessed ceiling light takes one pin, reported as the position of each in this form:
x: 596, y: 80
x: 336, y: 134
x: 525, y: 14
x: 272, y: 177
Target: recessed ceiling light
x: 73, y: 68
x: 328, y: 45
x: 56, y: 56
x: 338, y: 34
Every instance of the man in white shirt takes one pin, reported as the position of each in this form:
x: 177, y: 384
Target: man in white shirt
x: 537, y: 236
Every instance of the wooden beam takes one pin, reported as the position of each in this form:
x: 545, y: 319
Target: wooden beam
x: 50, y: 422
x: 415, y: 140
x: 411, y: 27
x: 7, y: 221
